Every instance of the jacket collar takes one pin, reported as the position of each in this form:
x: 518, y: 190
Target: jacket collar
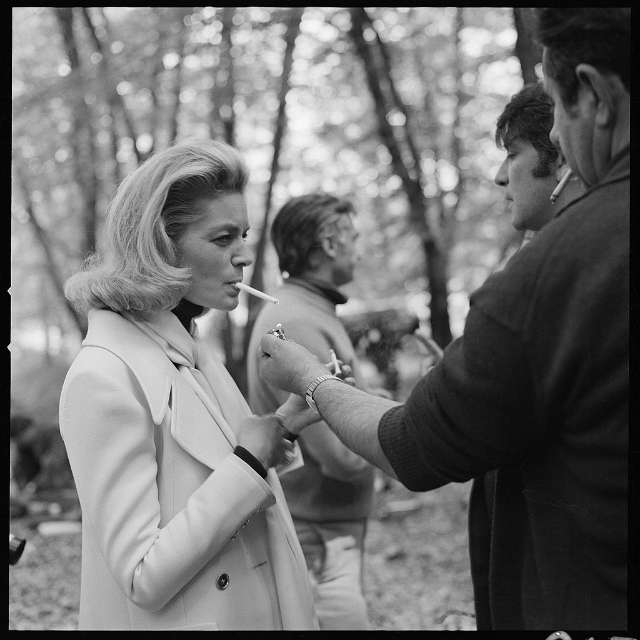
x: 317, y: 286
x: 135, y: 345
x: 140, y: 353
x: 619, y: 169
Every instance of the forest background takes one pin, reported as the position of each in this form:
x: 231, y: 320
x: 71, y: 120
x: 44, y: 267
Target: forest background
x: 392, y: 108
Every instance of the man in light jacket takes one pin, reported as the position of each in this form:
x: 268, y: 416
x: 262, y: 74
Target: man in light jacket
x: 331, y: 496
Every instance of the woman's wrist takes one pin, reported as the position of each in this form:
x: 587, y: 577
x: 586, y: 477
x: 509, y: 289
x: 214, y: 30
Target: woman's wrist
x: 289, y: 423
x: 251, y: 460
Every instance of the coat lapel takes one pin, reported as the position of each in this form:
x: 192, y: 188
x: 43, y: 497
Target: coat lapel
x: 193, y: 427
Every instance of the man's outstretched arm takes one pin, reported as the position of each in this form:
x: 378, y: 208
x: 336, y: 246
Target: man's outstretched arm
x: 353, y: 415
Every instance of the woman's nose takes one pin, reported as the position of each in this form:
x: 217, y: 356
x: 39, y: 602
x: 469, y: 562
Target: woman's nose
x: 243, y: 257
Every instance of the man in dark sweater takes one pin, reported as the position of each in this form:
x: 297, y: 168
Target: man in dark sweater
x: 530, y: 174
x: 537, y: 388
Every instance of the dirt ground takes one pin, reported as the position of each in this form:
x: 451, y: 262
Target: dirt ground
x: 416, y: 567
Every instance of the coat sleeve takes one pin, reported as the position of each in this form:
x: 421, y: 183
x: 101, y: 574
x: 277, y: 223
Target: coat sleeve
x: 109, y: 435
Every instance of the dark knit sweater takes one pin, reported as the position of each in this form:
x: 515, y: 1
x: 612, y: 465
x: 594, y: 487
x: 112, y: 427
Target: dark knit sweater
x: 537, y: 388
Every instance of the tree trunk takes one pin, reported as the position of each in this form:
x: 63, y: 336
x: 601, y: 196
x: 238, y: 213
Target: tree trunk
x: 82, y: 137
x: 174, y: 111
x: 527, y: 51
x: 257, y: 280
x: 379, y: 76
x: 114, y: 99
x: 449, y: 212
x: 222, y: 124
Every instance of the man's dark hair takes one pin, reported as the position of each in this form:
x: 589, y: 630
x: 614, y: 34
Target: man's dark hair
x: 600, y: 37
x: 529, y: 116
x: 294, y: 232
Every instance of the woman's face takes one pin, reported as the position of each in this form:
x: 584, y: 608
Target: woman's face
x: 215, y: 248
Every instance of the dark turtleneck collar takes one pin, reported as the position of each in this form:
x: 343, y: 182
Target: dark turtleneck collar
x: 327, y: 290
x: 186, y: 311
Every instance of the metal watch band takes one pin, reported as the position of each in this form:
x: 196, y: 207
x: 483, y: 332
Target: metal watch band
x: 308, y: 396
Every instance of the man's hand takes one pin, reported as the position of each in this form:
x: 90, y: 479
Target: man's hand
x: 296, y: 413
x: 289, y: 366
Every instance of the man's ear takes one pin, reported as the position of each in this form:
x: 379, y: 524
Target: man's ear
x: 329, y: 246
x: 600, y: 89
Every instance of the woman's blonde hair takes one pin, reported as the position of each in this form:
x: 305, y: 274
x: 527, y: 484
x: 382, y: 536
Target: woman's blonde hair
x: 139, y: 269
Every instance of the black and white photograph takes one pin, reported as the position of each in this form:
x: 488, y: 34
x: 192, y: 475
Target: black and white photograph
x: 319, y: 321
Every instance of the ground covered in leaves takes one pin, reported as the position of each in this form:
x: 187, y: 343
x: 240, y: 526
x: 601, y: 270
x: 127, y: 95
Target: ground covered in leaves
x: 416, y: 567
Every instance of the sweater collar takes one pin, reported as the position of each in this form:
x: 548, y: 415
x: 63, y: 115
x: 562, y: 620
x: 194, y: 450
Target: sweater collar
x: 620, y: 165
x: 186, y: 311
x: 318, y: 286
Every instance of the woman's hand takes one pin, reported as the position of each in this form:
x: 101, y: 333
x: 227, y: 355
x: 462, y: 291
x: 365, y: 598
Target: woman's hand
x: 296, y: 414
x: 263, y: 437
x: 344, y: 373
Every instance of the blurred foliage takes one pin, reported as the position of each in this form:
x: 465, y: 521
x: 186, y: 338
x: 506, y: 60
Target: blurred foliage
x: 144, y: 76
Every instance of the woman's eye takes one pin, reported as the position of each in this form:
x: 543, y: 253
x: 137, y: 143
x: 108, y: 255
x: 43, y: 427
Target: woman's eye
x: 223, y: 239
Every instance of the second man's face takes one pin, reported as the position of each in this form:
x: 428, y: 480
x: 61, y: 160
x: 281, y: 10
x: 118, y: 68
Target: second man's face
x: 527, y: 194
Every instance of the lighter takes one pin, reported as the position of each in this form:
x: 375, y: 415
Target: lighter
x: 278, y: 332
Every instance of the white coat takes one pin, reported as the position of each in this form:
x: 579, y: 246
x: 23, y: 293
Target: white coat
x: 178, y: 532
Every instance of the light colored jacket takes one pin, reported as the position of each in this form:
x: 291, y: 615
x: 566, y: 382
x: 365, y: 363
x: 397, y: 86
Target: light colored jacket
x: 178, y: 532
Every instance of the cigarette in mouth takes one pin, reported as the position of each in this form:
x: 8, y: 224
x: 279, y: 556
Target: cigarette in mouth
x: 255, y: 292
x: 561, y: 185
x: 334, y: 359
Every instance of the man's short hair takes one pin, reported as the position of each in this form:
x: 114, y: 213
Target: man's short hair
x: 600, y: 37
x: 529, y: 116
x: 296, y: 228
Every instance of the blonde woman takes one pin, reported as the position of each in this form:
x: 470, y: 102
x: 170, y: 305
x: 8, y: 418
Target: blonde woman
x: 184, y: 522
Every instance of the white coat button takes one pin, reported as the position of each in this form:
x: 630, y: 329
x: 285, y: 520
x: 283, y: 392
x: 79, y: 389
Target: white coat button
x: 222, y: 581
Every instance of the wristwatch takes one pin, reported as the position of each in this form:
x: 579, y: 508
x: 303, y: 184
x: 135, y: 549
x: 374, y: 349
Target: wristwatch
x: 308, y: 396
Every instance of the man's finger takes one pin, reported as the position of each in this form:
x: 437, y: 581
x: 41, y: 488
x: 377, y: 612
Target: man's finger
x: 268, y: 343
